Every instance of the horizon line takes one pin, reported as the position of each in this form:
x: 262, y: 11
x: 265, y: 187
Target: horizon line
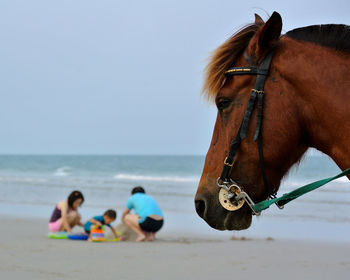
x: 92, y: 154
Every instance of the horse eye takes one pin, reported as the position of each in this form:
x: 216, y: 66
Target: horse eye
x: 223, y: 104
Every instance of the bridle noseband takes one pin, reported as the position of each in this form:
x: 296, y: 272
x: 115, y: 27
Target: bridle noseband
x: 231, y: 195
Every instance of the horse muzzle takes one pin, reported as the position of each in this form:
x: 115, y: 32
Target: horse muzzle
x: 221, y: 211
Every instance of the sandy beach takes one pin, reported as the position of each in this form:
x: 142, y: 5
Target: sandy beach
x: 27, y: 253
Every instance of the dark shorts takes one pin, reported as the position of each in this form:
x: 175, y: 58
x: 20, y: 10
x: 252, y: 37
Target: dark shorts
x: 151, y: 225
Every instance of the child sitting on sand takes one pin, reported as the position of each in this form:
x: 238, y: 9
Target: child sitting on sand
x: 108, y: 217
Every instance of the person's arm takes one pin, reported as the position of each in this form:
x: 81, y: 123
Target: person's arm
x: 95, y: 222
x: 64, y: 213
x: 114, y: 232
x: 125, y: 212
x: 80, y: 224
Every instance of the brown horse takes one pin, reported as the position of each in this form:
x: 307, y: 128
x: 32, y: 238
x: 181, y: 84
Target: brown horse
x: 306, y: 104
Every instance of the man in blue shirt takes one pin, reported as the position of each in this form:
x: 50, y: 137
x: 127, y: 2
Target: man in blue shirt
x: 148, y: 217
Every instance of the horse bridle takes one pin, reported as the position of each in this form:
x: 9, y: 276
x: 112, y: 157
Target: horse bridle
x: 231, y: 195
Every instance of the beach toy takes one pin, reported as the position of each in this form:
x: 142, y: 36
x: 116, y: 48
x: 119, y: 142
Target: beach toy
x: 58, y: 235
x: 97, y: 234
x: 78, y: 236
x: 65, y: 235
x: 116, y: 239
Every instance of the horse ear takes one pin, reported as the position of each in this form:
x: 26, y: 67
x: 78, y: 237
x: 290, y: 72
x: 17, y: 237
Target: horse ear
x: 265, y: 38
x: 258, y: 20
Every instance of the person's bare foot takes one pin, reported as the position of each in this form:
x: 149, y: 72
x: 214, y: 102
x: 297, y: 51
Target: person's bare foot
x: 141, y: 238
x: 153, y: 236
x: 150, y: 236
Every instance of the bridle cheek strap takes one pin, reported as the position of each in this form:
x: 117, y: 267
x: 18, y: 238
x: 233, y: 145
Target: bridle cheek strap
x: 256, y: 93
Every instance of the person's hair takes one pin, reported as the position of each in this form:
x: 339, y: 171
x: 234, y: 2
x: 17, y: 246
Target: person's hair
x: 111, y: 213
x: 137, y: 189
x: 73, y: 197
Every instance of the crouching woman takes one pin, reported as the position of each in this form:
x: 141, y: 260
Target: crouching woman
x: 65, y: 215
x: 148, y: 217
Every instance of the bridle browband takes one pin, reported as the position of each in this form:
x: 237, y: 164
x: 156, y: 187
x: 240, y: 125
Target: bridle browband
x: 234, y: 192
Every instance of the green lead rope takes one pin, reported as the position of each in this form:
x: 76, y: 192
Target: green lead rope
x: 284, y: 199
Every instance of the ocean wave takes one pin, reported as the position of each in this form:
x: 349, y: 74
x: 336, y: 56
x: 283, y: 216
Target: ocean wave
x: 62, y: 171
x: 296, y: 183
x: 133, y: 177
x: 310, y: 217
x: 342, y: 180
x: 22, y: 179
x: 329, y: 202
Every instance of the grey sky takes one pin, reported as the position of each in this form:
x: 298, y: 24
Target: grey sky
x: 120, y: 77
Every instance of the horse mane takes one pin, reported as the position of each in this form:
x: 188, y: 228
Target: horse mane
x: 225, y: 57
x: 335, y: 36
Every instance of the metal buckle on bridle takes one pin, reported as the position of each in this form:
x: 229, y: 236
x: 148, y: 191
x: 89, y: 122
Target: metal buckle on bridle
x: 232, y: 198
x: 228, y: 164
x: 273, y: 196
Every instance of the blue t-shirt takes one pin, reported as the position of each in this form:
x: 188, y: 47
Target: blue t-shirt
x: 144, y: 206
x: 88, y: 224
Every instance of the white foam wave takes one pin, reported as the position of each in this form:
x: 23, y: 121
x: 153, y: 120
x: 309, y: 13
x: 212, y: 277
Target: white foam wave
x: 62, y: 171
x: 22, y: 179
x: 342, y: 180
x: 134, y: 177
x: 298, y: 183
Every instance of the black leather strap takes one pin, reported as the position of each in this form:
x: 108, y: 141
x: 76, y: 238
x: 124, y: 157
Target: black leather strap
x: 230, y: 157
x: 258, y: 136
x: 271, y: 192
x: 247, y: 114
x: 260, y: 115
x: 264, y: 67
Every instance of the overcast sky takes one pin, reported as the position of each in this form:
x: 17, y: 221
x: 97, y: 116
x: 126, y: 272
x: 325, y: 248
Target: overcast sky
x: 120, y: 77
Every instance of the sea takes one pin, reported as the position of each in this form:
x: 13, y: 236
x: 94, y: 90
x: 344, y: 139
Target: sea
x: 31, y: 186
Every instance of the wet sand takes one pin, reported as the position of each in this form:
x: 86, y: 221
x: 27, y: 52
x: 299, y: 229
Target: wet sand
x: 27, y: 253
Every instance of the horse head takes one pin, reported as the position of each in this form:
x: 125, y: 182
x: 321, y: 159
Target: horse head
x: 281, y: 130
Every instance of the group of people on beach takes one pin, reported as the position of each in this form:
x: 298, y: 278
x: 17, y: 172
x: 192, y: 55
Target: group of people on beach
x: 145, y: 220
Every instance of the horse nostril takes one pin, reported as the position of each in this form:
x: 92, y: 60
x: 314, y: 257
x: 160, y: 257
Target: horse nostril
x: 200, y: 207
